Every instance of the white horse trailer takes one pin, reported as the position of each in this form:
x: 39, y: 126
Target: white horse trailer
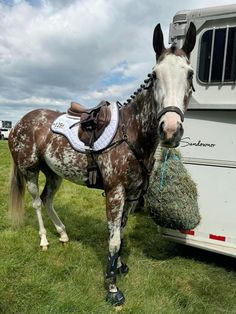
x: 208, y: 146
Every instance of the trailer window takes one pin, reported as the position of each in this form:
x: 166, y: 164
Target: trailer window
x: 217, y: 62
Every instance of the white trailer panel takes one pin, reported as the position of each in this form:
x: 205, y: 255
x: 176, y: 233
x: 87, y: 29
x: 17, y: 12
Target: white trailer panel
x: 208, y: 146
x: 209, y: 154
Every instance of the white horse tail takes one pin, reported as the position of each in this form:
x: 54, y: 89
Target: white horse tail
x: 16, y: 196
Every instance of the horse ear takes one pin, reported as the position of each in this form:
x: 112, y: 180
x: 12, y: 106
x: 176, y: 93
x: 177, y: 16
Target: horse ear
x: 158, y: 41
x: 190, y: 39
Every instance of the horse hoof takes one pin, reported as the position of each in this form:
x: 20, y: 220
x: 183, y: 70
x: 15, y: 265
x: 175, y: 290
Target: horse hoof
x: 116, y: 298
x: 64, y: 238
x: 64, y: 243
x: 123, y: 269
x: 119, y: 308
x: 44, y: 248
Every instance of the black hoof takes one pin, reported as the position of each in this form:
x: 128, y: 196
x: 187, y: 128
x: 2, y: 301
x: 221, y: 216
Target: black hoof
x: 115, y: 298
x: 123, y: 269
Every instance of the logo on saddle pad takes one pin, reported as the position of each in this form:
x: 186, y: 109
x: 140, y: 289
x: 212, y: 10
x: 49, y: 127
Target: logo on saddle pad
x: 72, y: 128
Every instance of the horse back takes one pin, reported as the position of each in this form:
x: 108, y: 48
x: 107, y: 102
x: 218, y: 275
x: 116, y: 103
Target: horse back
x: 29, y: 136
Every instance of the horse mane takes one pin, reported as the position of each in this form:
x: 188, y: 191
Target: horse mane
x: 148, y: 82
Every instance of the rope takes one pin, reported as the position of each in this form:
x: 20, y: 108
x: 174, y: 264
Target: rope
x: 163, y: 169
x: 167, y: 155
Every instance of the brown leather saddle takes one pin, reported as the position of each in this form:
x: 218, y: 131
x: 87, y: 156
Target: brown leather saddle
x: 92, y: 124
x: 93, y: 121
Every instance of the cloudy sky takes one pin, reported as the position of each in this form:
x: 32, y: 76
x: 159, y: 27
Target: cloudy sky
x: 55, y: 51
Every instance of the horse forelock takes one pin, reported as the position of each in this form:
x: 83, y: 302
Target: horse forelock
x: 173, y: 50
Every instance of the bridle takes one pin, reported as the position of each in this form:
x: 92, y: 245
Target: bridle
x: 173, y: 108
x: 170, y: 109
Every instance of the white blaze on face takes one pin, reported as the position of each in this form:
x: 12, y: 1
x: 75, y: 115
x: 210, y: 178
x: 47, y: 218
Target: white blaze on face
x: 171, y: 88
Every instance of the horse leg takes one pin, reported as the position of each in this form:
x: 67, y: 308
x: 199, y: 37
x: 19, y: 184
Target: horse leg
x: 52, y: 185
x: 121, y: 267
x: 128, y: 207
x: 115, y: 204
x: 32, y: 185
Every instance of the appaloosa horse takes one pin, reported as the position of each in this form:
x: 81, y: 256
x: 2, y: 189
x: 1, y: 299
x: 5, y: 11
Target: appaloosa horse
x: 154, y: 115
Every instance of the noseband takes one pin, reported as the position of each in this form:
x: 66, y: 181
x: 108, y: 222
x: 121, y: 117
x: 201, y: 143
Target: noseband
x: 170, y: 109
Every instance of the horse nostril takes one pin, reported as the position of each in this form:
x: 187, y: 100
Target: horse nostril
x: 161, y: 127
x: 181, y: 129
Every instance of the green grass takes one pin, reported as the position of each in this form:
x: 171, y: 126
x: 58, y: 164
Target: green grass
x: 164, y: 277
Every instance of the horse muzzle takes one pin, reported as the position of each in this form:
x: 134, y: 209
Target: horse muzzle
x: 170, y: 138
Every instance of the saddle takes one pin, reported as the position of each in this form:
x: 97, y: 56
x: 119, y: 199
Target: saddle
x: 92, y: 124
x: 92, y: 121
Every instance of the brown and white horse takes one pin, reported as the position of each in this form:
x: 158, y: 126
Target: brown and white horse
x: 153, y: 116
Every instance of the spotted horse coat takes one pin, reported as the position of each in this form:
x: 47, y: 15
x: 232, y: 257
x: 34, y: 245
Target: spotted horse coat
x: 153, y: 115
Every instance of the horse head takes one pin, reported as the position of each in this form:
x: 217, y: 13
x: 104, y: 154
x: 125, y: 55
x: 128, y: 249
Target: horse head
x: 172, y: 85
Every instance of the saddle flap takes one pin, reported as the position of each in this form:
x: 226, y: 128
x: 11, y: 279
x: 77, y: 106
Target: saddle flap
x: 93, y: 123
x: 103, y: 118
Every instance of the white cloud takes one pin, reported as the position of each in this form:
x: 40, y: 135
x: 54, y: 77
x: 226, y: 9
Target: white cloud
x: 54, y: 51
x: 110, y: 92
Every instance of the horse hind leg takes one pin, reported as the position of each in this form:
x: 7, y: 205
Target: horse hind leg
x: 32, y: 186
x: 52, y: 185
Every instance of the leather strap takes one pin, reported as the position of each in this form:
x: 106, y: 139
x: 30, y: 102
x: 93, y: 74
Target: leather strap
x: 171, y: 109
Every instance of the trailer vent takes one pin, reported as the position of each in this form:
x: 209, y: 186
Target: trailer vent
x: 180, y: 18
x: 217, y: 62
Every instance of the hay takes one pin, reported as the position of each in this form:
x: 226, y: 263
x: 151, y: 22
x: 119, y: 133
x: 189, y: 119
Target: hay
x: 171, y: 198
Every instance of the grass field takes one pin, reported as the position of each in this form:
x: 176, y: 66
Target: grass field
x: 164, y: 277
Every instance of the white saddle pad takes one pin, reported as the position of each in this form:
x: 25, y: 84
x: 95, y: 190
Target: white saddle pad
x: 69, y: 127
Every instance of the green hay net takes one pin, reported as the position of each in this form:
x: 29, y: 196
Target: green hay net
x: 171, y: 198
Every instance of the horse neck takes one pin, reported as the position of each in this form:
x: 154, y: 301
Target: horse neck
x: 139, y: 119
